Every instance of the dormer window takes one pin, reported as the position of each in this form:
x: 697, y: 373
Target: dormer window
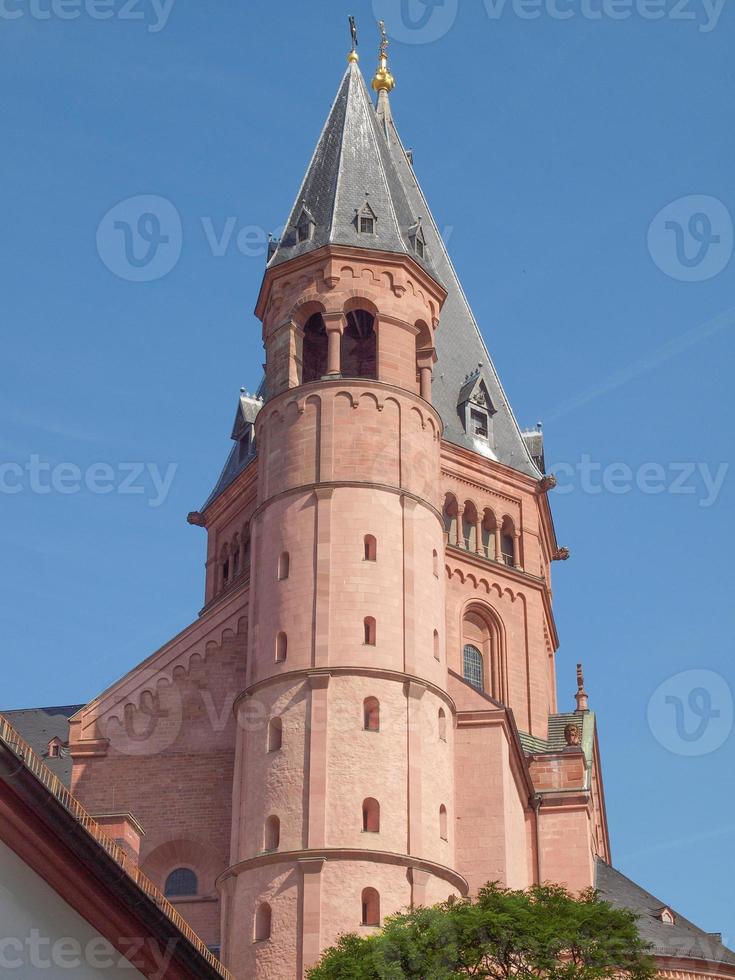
x: 366, y: 220
x: 479, y: 423
x: 243, y: 445
x: 54, y: 748
x: 305, y: 226
x: 476, y: 409
x: 666, y: 915
x: 418, y: 240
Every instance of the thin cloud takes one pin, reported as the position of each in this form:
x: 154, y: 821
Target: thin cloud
x: 640, y: 367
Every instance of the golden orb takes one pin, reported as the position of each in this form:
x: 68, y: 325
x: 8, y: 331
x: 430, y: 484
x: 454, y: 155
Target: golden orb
x: 383, y: 81
x: 353, y: 57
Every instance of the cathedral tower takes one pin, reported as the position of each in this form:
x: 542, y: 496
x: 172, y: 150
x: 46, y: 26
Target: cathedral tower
x: 363, y: 717
x: 344, y: 755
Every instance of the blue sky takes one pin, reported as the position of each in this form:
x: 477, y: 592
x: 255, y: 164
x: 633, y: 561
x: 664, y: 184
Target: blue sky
x: 578, y: 156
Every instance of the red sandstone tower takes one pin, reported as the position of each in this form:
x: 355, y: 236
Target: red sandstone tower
x: 363, y: 717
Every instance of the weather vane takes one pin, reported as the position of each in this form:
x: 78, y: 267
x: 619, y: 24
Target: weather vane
x: 383, y: 81
x: 383, y: 39
x: 353, y: 56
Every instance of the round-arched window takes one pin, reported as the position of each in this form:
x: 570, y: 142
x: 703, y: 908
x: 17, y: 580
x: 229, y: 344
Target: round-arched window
x: 181, y: 881
x: 472, y: 667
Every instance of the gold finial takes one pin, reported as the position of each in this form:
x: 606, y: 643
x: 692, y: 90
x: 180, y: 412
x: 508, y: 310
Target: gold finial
x: 383, y: 81
x: 353, y: 56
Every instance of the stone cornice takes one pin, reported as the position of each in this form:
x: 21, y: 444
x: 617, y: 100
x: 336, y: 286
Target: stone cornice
x: 341, y: 670
x: 347, y: 854
x: 337, y: 484
x: 320, y: 258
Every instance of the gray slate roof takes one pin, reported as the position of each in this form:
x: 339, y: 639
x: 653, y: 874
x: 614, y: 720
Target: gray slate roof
x: 359, y: 158
x: 352, y: 166
x: 38, y: 726
x: 460, y: 347
x: 682, y: 939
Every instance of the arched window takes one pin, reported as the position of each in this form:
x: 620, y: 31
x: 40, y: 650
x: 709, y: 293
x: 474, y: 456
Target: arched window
x: 262, y: 930
x: 450, y: 518
x: 314, y: 363
x: 484, y: 663
x: 275, y: 734
x: 469, y: 526
x: 370, y: 907
x: 371, y: 548
x: 442, y: 725
x: 284, y: 563
x: 281, y: 647
x: 443, y: 822
x: 436, y: 645
x: 181, y: 882
x: 371, y: 715
x: 369, y: 631
x: 245, y: 548
x: 358, y: 351
x: 235, y: 556
x: 507, y: 542
x: 472, y: 667
x: 225, y: 566
x: 488, y: 534
x: 272, y: 834
x: 370, y: 816
x: 435, y: 558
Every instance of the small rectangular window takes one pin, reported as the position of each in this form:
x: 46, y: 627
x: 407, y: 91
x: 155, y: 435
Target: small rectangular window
x: 367, y: 225
x: 479, y: 423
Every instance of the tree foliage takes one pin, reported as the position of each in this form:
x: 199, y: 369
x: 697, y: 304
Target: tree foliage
x: 544, y: 933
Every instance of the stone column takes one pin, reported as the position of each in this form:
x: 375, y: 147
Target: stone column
x: 425, y: 362
x: 498, y: 542
x: 516, y: 549
x: 317, y: 828
x: 414, y: 692
x: 419, y: 879
x: 311, y: 899
x: 478, y: 536
x: 460, y: 529
x: 335, y: 325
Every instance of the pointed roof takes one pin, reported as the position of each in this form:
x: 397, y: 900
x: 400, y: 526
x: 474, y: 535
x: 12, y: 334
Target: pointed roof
x: 460, y: 347
x: 358, y: 161
x: 681, y: 938
x: 352, y: 171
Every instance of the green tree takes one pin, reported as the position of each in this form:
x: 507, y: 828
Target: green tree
x: 544, y: 933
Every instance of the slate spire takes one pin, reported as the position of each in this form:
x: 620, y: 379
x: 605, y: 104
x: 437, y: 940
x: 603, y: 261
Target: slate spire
x: 351, y: 173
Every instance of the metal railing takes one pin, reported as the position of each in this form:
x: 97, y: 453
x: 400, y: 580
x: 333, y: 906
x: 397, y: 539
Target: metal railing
x: 13, y: 741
